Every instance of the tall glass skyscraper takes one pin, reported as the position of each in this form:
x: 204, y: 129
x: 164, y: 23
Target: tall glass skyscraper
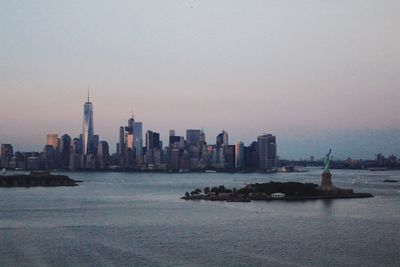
x: 267, y: 151
x: 87, y: 127
x: 239, y: 154
x: 137, y: 129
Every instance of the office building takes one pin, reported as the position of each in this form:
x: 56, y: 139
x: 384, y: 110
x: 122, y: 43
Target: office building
x: 267, y: 151
x: 75, y: 161
x: 6, y: 153
x: 174, y: 163
x: 239, y: 155
x: 152, y: 140
x: 65, y: 150
x: 176, y: 141
x: 33, y: 163
x: 137, y: 130
x: 52, y: 140
x: 230, y: 157
x: 222, y: 139
x: 49, y: 157
x: 121, y: 143
x: 251, y: 157
x: 193, y: 137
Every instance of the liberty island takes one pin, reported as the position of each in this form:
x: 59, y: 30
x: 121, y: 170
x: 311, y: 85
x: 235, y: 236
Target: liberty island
x: 279, y: 191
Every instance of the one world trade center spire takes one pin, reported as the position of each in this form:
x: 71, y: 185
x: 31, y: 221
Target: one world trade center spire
x: 87, y: 126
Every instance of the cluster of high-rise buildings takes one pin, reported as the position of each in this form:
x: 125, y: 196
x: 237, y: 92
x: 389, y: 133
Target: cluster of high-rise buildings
x: 142, y: 152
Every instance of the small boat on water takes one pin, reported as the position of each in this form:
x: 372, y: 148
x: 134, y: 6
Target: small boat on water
x: 391, y: 181
x: 359, y: 180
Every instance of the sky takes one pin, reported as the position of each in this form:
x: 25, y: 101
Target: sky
x: 317, y: 74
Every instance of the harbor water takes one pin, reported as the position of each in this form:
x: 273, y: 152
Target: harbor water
x: 138, y: 219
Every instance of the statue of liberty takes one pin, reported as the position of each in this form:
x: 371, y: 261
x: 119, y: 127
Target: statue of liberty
x: 327, y: 162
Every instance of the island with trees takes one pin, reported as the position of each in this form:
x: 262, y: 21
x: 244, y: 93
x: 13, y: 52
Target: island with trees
x: 44, y: 179
x: 271, y: 191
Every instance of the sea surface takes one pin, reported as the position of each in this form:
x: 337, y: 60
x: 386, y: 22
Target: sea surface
x: 138, y: 219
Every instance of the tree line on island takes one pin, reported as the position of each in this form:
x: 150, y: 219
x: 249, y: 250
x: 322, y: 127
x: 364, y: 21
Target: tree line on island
x: 255, y: 191
x: 34, y: 179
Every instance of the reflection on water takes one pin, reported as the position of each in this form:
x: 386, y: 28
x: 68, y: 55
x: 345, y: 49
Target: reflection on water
x: 327, y: 203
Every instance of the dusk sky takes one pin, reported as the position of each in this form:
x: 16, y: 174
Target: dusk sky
x: 317, y: 74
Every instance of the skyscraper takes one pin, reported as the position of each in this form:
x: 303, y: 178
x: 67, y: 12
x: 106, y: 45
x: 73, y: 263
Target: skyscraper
x: 152, y: 140
x: 129, y: 128
x: 52, y: 140
x: 230, y: 157
x: 130, y: 145
x: 75, y: 161
x: 202, y: 138
x: 222, y: 139
x: 239, y: 155
x: 121, y: 143
x: 129, y: 140
x: 49, y: 157
x: 87, y: 127
x: 6, y: 153
x: 129, y: 137
x: 137, y: 129
x: 65, y: 150
x: 103, y: 155
x: 193, y: 137
x: 225, y: 138
x: 267, y: 151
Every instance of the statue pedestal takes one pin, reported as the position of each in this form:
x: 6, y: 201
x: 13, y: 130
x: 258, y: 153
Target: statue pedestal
x: 326, y: 182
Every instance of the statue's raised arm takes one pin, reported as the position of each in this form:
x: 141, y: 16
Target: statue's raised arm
x: 328, y: 161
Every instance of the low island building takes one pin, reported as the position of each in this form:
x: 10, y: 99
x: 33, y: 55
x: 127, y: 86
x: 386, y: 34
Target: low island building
x: 278, y: 195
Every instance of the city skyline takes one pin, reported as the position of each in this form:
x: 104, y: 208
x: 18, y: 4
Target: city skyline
x: 304, y: 145
x: 292, y: 69
x: 87, y: 152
